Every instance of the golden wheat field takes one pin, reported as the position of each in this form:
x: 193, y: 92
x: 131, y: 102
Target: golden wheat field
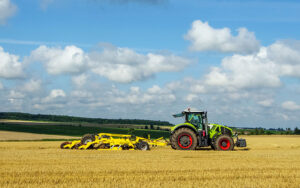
x: 270, y: 161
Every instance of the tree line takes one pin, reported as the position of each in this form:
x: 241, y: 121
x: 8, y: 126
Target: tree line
x: 73, y: 119
x: 262, y: 131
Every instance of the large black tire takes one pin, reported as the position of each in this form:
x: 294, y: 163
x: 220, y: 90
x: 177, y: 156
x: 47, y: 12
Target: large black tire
x: 184, y: 139
x: 171, y: 142
x: 87, y: 138
x: 224, y: 143
x: 142, y: 146
x: 173, y: 146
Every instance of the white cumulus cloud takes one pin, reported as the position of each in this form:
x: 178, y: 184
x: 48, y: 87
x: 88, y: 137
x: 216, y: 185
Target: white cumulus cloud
x: 7, y: 9
x: 263, y: 69
x: 10, y: 67
x: 245, y: 71
x: 286, y: 54
x: 191, y: 97
x: 290, y: 105
x: 206, y: 38
x: 70, y: 60
x: 125, y: 65
x: 54, y: 94
x: 117, y: 64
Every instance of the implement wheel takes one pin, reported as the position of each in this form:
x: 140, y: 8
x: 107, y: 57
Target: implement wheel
x: 184, y: 139
x: 63, y: 144
x: 87, y: 138
x: 76, y: 146
x: 142, y: 146
x: 224, y: 143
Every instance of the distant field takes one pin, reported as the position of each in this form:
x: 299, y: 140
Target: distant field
x: 11, y: 135
x: 20, y: 121
x: 82, y: 124
x: 270, y: 161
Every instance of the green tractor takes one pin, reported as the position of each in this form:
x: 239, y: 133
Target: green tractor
x: 196, y: 132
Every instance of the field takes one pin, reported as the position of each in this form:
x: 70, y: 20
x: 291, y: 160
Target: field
x: 19, y: 136
x: 269, y: 161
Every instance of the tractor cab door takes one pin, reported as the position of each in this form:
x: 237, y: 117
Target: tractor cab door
x: 195, y: 119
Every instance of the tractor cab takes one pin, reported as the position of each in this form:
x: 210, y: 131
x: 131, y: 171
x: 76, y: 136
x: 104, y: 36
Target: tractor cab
x: 194, y: 117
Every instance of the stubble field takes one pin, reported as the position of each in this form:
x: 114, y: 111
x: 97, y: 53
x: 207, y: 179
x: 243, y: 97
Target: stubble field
x: 270, y: 161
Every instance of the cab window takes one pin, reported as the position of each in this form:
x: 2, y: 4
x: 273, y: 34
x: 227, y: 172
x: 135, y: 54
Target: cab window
x: 195, y: 120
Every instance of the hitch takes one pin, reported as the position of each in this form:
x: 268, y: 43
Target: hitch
x: 240, y: 142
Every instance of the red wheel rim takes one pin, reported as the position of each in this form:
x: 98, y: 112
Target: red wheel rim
x: 185, y: 136
x: 224, y: 144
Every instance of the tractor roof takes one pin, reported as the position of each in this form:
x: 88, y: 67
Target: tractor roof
x: 192, y: 110
x: 188, y: 110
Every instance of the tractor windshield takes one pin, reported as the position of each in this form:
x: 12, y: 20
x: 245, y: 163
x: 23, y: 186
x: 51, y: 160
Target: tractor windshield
x: 195, y: 119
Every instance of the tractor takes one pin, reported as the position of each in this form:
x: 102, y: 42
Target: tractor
x: 196, y: 132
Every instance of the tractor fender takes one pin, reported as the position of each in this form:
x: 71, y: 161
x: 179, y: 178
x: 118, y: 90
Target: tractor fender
x: 186, y: 125
x: 213, y: 139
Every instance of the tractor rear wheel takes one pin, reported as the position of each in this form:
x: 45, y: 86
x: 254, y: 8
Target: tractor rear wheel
x: 171, y: 142
x: 87, y: 138
x: 184, y: 139
x: 224, y: 143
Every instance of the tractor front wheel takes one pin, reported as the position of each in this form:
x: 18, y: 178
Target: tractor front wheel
x: 184, y: 139
x: 224, y: 143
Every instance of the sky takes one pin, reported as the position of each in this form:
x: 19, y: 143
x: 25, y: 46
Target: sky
x: 148, y: 59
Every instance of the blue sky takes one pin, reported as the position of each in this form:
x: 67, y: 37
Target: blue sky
x: 239, y: 60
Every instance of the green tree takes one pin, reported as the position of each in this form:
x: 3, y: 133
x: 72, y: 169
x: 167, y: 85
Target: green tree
x: 269, y: 132
x: 261, y: 131
x: 296, y: 131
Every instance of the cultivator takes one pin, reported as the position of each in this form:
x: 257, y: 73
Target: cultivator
x: 106, y: 141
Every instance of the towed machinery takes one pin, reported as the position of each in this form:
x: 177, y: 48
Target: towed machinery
x: 107, y: 141
x: 196, y: 132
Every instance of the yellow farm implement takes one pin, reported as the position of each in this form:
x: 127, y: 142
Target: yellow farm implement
x: 107, y: 141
